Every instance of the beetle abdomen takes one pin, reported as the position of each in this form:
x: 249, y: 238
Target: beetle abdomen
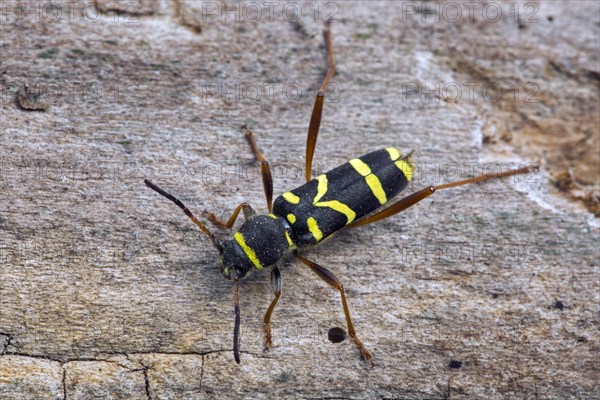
x: 338, y: 197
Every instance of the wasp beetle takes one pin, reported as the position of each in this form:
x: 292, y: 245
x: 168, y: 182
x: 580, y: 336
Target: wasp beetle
x: 349, y: 195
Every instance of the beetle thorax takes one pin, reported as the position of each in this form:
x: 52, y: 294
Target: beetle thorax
x: 260, y: 242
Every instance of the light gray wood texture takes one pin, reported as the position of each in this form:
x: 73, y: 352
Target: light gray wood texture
x: 108, y: 291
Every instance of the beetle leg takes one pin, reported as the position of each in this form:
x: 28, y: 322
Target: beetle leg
x: 265, y: 169
x: 317, y: 112
x: 416, y: 197
x: 331, y: 279
x: 276, y: 286
x: 248, y: 212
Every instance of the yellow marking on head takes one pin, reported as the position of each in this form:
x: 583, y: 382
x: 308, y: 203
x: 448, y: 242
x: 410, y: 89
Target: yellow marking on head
x: 376, y: 188
x: 372, y: 180
x: 291, y: 218
x: 406, y: 168
x: 360, y: 167
x: 394, y: 153
x: 289, y: 239
x: 273, y: 216
x: 291, y: 197
x: 239, y: 238
x: 339, y: 207
x: 314, y: 228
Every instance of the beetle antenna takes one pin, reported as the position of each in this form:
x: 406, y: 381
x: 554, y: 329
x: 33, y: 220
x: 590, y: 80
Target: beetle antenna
x: 236, y: 329
x: 187, y: 212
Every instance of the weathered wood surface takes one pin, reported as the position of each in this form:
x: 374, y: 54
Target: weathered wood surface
x: 108, y: 291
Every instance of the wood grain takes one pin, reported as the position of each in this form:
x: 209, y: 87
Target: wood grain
x: 108, y: 291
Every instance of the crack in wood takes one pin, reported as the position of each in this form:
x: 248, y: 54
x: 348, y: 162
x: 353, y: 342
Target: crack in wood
x: 126, y: 355
x: 64, y: 382
x: 146, y: 380
x: 201, y: 372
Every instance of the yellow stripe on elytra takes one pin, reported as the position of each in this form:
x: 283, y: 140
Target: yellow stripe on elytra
x: 239, y: 238
x: 291, y: 218
x: 360, y: 167
x: 339, y: 207
x: 291, y: 197
x: 273, y: 216
x: 376, y: 188
x: 372, y: 180
x: 313, y: 227
x: 321, y: 188
x: 333, y: 204
x: 406, y: 168
x: 394, y: 153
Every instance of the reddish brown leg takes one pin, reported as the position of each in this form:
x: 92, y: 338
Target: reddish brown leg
x: 248, y: 212
x: 265, y: 170
x: 331, y: 279
x: 315, y: 118
x: 416, y: 197
x: 276, y: 286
